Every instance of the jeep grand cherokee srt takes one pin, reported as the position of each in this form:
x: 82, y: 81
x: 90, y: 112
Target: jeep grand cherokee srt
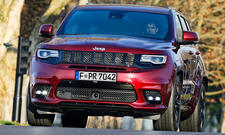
x: 119, y: 60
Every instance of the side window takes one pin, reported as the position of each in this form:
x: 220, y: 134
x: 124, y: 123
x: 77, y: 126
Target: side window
x: 188, y: 25
x: 178, y: 29
x: 183, y: 23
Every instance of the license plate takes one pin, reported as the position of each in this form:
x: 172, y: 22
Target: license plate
x: 96, y: 76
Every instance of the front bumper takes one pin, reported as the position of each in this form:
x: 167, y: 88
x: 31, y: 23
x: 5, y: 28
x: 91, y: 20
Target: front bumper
x: 160, y: 79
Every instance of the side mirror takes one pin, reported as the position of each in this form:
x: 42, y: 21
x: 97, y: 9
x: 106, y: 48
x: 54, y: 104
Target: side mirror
x: 189, y: 37
x: 46, y: 30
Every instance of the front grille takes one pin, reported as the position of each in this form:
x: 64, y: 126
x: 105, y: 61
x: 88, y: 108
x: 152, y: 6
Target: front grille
x: 103, y: 91
x: 100, y: 58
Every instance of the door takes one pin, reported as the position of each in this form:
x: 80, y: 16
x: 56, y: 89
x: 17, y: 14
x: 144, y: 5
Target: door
x: 190, y: 55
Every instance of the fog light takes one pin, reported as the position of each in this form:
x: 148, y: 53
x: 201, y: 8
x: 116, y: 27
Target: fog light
x: 38, y: 92
x: 157, y: 98
x: 153, y: 97
x: 150, y: 98
x: 42, y: 91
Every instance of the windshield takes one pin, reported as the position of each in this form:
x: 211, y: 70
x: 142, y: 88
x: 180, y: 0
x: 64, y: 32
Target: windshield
x: 117, y: 22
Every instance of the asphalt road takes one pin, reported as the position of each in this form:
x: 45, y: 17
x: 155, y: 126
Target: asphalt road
x: 19, y: 130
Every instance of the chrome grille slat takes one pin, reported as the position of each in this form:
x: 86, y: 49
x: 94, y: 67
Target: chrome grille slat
x: 108, y: 58
x: 77, y: 57
x: 130, y: 59
x: 87, y: 57
x: 97, y: 58
x: 119, y: 59
x: 66, y: 57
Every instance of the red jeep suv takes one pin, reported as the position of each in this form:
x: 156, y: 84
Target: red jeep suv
x: 119, y: 60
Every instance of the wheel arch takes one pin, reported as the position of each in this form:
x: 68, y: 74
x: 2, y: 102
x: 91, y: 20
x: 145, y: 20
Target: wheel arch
x: 181, y: 73
x: 205, y: 82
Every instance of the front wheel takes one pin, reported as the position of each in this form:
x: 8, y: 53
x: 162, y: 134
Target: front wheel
x: 170, y: 119
x: 35, y: 119
x: 196, y: 121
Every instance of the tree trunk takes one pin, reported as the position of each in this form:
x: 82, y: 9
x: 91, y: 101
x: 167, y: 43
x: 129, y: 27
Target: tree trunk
x: 50, y: 16
x: 10, y: 11
x: 9, y: 23
x: 223, y: 121
x: 223, y: 115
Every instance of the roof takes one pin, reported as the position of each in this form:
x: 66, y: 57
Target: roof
x: 125, y: 7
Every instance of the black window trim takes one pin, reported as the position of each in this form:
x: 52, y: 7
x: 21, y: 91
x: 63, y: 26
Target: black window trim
x: 178, y: 16
x: 180, y: 22
x: 185, y: 21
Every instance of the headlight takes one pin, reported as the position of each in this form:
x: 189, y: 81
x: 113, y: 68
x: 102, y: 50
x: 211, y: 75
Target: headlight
x: 44, y: 53
x: 155, y: 59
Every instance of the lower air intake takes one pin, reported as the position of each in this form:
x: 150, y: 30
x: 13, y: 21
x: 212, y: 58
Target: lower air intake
x: 96, y: 94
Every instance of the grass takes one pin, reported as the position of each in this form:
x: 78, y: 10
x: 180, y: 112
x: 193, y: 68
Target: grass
x: 2, y: 122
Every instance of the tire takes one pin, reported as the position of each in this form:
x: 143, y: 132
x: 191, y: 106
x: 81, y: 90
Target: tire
x: 74, y: 119
x: 35, y: 119
x: 170, y: 119
x: 196, y: 121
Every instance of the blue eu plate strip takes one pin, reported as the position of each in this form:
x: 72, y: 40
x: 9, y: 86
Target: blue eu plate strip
x: 77, y: 75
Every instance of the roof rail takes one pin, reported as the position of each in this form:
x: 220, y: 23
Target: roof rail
x: 89, y: 3
x: 168, y: 7
x: 170, y: 10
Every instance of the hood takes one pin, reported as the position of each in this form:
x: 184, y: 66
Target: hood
x: 106, y: 43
